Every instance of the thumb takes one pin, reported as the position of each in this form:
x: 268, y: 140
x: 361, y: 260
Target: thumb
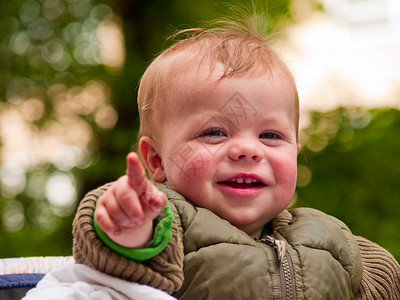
x: 153, y: 201
x: 154, y: 197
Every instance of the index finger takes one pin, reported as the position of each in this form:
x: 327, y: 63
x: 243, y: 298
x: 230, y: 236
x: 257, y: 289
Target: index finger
x: 135, y: 173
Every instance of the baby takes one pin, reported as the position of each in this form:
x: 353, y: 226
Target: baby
x: 219, y: 116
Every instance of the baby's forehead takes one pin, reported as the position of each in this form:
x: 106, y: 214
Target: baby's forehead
x: 239, y: 54
x: 194, y: 77
x: 203, y: 85
x: 197, y: 85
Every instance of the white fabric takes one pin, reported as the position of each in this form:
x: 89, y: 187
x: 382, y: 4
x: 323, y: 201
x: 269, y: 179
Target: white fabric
x: 41, y: 264
x: 81, y: 282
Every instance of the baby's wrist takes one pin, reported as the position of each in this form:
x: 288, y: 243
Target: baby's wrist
x: 153, y: 237
x: 137, y: 237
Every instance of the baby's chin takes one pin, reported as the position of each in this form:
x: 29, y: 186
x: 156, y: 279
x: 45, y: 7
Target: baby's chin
x: 253, y: 226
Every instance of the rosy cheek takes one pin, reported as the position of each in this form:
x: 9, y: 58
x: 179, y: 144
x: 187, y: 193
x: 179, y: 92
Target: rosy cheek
x: 286, y: 170
x: 188, y: 164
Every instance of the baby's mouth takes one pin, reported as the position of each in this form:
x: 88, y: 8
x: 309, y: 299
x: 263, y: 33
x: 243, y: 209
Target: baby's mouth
x: 243, y: 183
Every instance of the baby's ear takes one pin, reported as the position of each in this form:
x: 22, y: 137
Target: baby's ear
x: 152, y: 159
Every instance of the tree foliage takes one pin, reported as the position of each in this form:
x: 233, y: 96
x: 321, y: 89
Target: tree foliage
x: 349, y: 168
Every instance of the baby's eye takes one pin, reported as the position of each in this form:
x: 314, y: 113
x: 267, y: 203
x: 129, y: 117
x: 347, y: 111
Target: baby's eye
x: 213, y: 132
x: 269, y: 135
x: 271, y: 138
x: 213, y: 135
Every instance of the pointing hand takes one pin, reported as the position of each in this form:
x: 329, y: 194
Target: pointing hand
x: 125, y: 212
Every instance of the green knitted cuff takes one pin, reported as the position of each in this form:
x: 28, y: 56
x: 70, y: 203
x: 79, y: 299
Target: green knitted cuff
x: 161, y: 238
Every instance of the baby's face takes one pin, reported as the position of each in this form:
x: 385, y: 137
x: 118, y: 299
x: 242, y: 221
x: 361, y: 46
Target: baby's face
x: 230, y: 146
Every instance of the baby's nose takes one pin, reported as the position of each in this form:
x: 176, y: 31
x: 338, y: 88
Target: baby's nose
x: 245, y: 149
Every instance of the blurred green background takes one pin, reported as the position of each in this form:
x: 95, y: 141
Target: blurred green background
x: 69, y: 71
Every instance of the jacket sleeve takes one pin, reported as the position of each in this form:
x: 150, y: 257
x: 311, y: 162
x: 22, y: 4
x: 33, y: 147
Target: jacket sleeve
x: 164, y: 271
x: 381, y: 272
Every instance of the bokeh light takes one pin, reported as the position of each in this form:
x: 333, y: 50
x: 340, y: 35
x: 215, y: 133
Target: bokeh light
x: 52, y: 104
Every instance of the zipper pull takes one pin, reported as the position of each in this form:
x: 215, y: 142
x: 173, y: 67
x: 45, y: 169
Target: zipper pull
x: 278, y: 245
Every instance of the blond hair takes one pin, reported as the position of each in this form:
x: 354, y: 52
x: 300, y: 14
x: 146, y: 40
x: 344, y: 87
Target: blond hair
x: 237, y: 47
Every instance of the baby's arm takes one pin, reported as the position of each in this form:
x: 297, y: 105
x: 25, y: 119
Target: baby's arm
x: 125, y: 212
x: 163, y: 271
x: 381, y: 272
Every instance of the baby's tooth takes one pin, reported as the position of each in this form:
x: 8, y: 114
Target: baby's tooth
x: 248, y: 180
x: 239, y: 180
x: 255, y: 180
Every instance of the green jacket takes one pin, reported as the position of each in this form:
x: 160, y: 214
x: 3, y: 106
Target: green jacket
x: 321, y: 260
x: 309, y: 255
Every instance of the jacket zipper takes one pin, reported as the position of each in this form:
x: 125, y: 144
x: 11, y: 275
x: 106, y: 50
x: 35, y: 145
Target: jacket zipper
x: 285, y: 268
